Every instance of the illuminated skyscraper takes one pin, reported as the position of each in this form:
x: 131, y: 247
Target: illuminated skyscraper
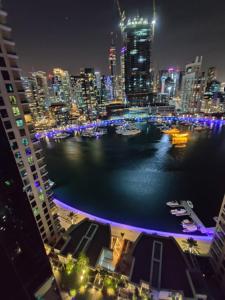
x: 88, y: 102
x: 37, y: 92
x: 193, y: 85
x: 137, y: 37
x: 112, y: 68
x: 26, y: 202
x: 61, y: 86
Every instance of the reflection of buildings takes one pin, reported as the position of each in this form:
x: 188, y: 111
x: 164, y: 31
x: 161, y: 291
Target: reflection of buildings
x: 136, y: 53
x: 193, y: 85
x: 26, y: 220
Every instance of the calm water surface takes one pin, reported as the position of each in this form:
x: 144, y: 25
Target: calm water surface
x: 129, y: 179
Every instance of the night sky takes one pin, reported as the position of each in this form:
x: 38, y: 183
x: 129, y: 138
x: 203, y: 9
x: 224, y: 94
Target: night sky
x: 76, y: 33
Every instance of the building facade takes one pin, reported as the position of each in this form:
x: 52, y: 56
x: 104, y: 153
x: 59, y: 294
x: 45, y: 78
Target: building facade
x: 137, y: 37
x: 193, y: 87
x: 112, y: 69
x: 26, y: 220
x: 217, y: 250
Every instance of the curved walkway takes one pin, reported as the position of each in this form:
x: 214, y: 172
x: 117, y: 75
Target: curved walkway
x: 132, y: 228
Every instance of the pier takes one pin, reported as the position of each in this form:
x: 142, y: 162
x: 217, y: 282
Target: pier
x: 196, y: 220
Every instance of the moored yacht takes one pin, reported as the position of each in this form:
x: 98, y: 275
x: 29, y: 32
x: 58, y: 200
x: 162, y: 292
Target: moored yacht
x: 178, y: 211
x: 173, y: 203
x: 61, y: 135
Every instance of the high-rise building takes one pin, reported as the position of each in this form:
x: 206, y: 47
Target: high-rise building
x: 61, y: 86
x: 26, y: 220
x: 193, y: 87
x: 37, y: 92
x: 89, y: 93
x: 217, y: 250
x: 112, y: 68
x: 137, y: 36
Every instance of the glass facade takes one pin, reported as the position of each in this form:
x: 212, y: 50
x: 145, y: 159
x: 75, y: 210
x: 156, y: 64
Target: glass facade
x: 137, y: 58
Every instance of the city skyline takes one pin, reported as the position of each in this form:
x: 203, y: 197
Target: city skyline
x: 72, y: 44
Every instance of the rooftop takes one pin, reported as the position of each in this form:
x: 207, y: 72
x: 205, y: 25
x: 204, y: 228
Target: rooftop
x: 89, y: 237
x: 160, y: 262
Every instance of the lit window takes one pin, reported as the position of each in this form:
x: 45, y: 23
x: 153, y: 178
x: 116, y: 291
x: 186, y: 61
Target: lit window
x: 41, y: 197
x: 30, y: 160
x: 12, y: 99
x: 9, y: 87
x: 19, y: 123
x: 16, y: 111
x: 35, y: 211
x: 17, y: 154
x: 28, y: 151
x: 25, y: 141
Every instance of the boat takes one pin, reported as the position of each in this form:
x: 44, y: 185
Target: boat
x: 178, y: 211
x: 62, y: 135
x: 186, y: 222
x: 190, y: 204
x: 171, y: 131
x: 173, y: 203
x: 199, y: 128
x: 191, y: 228
x: 180, y: 135
x: 128, y: 129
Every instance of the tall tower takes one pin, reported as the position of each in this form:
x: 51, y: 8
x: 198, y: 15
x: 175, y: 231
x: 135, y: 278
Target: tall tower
x: 193, y: 85
x: 26, y: 220
x: 137, y: 36
x: 112, y: 67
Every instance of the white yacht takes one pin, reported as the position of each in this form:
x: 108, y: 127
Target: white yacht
x: 173, y: 203
x: 191, y: 228
x: 128, y: 129
x: 178, y: 211
x: 61, y: 135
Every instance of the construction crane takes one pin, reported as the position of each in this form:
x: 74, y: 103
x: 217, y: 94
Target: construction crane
x: 153, y: 20
x: 121, y: 13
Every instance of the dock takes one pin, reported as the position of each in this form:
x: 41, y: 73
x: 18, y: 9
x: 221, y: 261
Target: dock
x: 195, y: 218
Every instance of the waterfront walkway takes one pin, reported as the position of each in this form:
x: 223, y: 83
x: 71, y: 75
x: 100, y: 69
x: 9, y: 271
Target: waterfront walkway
x: 130, y: 230
x: 74, y: 127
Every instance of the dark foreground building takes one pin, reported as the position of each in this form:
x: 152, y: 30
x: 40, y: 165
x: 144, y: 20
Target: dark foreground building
x: 25, y: 213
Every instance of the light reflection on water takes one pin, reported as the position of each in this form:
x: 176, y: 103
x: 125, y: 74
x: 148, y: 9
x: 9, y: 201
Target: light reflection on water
x: 129, y: 179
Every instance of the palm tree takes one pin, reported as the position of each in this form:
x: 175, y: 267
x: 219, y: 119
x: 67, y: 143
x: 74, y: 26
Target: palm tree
x: 192, y: 245
x: 72, y: 216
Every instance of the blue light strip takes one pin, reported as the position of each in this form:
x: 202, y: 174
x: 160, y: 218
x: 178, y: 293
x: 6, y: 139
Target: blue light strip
x: 71, y: 128
x: 207, y: 238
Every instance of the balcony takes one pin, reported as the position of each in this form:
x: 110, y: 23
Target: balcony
x: 49, y: 193
x: 12, y: 55
x: 37, y: 147
x: 40, y: 155
x: 41, y: 164
x: 43, y: 172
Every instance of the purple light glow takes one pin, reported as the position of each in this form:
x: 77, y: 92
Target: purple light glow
x: 133, y: 228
